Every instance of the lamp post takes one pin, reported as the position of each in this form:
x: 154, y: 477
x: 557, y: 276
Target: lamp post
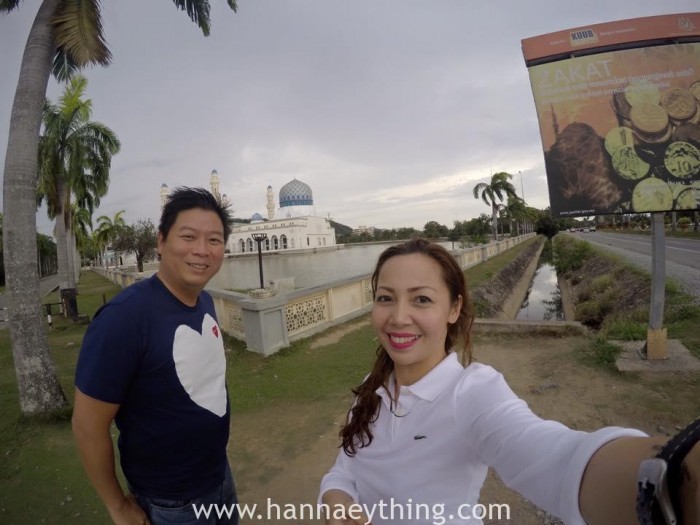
x: 259, y: 238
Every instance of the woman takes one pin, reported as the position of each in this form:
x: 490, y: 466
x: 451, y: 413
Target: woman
x: 425, y: 427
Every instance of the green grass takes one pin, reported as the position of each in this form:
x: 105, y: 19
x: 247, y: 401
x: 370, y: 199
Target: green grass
x: 599, y: 302
x: 41, y: 478
x: 482, y: 272
x: 598, y: 351
x: 297, y: 374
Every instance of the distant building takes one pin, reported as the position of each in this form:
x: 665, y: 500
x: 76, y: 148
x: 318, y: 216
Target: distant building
x: 364, y: 229
x: 214, y: 187
x: 297, y: 227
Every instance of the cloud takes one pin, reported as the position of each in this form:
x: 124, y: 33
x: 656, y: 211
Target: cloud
x: 391, y: 111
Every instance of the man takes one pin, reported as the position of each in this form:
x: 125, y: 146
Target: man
x: 152, y: 360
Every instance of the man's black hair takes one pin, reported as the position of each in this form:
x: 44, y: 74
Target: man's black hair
x: 183, y: 199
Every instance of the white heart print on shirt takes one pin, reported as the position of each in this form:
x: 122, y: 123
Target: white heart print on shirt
x: 201, y: 366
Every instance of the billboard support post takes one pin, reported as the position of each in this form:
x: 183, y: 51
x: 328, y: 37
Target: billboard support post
x: 657, y: 347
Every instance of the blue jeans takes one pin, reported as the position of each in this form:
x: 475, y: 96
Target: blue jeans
x: 197, y: 511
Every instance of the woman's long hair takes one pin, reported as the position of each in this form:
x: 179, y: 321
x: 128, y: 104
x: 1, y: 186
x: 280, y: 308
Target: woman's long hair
x: 356, y: 432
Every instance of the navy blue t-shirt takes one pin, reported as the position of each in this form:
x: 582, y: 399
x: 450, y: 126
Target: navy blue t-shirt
x: 163, y: 362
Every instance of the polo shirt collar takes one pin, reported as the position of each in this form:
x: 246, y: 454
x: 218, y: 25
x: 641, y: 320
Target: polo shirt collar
x: 432, y: 384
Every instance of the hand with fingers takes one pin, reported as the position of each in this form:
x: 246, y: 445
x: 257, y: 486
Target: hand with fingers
x: 129, y: 513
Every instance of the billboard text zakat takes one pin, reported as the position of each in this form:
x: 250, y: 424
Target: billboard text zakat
x: 621, y: 130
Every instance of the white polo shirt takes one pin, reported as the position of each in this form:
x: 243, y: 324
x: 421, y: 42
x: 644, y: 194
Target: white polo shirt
x: 428, y: 465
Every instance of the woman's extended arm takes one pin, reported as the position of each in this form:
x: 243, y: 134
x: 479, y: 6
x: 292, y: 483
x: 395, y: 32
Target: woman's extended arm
x: 609, y: 485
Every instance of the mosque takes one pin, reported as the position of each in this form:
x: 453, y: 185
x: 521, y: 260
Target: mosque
x: 295, y: 228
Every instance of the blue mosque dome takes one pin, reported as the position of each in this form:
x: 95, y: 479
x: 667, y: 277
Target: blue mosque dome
x: 296, y: 193
x: 256, y: 218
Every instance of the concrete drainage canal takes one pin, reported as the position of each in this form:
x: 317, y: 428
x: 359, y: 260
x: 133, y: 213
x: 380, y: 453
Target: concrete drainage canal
x: 543, y: 301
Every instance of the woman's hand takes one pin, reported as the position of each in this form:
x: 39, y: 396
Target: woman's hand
x: 342, y: 509
x: 690, y: 488
x: 128, y: 513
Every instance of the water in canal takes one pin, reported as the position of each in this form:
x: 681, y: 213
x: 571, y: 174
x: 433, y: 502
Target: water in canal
x: 543, y: 299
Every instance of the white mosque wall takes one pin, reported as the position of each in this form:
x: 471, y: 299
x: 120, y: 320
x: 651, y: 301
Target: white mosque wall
x: 295, y: 233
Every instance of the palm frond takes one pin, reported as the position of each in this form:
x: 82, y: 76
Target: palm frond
x: 77, y: 26
x: 63, y: 66
x: 9, y: 5
x: 478, y: 189
x: 198, y: 11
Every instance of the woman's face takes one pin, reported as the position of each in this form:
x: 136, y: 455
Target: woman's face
x: 411, y: 312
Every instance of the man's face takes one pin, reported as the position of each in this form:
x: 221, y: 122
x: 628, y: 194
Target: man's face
x: 192, y: 253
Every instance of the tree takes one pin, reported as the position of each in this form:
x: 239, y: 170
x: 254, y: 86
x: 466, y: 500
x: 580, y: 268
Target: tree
x: 434, y: 230
x: 64, y: 36
x: 47, y: 255
x: 498, y: 188
x: 108, y: 230
x: 517, y: 211
x: 75, y: 155
x: 141, y: 239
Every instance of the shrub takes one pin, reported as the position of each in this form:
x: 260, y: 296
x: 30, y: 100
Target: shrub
x: 570, y: 254
x: 602, y: 284
x: 625, y: 329
x: 601, y: 352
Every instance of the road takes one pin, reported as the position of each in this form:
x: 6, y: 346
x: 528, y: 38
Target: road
x: 682, y: 255
x: 46, y: 286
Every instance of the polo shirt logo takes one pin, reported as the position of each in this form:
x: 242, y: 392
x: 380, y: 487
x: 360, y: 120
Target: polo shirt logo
x: 419, y: 436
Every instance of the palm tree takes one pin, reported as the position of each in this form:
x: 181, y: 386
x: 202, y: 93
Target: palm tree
x: 65, y: 35
x: 75, y: 155
x: 517, y: 211
x: 81, y: 221
x: 499, y: 187
x: 108, y: 230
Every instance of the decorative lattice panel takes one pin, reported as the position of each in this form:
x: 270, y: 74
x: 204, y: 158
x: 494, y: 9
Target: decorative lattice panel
x: 306, y: 312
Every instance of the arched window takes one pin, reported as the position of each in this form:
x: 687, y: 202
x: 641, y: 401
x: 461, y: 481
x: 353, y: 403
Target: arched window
x: 283, y: 241
x: 241, y: 246
x: 275, y: 243
x: 249, y: 243
x: 267, y: 244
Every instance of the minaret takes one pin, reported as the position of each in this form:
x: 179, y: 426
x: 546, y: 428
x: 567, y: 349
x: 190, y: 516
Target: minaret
x: 215, y: 184
x: 163, y: 195
x: 270, y: 204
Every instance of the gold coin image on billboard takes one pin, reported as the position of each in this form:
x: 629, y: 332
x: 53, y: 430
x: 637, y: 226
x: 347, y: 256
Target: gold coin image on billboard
x: 687, y: 196
x: 639, y: 91
x: 616, y: 138
x: 650, y: 121
x: 679, y: 103
x: 695, y: 90
x: 652, y: 195
x: 628, y: 165
x: 682, y: 159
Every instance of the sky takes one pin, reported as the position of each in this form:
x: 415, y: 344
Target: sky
x: 391, y: 110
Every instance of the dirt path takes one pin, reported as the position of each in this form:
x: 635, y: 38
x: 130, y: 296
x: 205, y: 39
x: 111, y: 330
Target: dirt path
x: 282, y: 453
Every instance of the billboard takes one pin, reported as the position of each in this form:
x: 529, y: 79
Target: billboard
x: 618, y: 106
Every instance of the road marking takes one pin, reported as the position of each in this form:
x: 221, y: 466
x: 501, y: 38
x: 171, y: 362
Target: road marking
x: 649, y: 244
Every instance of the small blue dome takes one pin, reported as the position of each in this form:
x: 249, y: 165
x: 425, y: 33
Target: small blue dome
x: 296, y: 193
x: 256, y: 217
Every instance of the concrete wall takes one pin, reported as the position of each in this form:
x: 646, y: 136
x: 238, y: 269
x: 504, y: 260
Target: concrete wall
x: 268, y: 324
